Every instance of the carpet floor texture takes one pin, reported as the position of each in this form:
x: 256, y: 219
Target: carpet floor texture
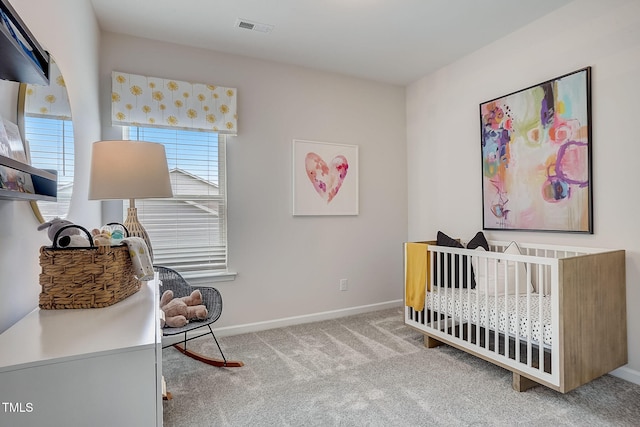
x: 370, y: 370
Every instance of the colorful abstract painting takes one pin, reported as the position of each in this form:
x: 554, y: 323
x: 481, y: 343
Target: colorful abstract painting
x: 325, y: 178
x: 536, y: 157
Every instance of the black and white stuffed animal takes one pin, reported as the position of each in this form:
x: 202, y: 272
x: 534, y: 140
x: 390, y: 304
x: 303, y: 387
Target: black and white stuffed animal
x: 67, y: 238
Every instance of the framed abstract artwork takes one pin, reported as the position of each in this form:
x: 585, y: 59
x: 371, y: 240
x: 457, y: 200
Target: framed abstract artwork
x: 536, y: 157
x: 325, y: 178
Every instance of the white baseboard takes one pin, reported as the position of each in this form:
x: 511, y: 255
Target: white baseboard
x: 628, y: 374
x: 307, y: 318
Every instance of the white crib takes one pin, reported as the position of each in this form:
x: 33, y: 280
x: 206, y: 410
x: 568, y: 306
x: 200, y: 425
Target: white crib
x: 553, y: 315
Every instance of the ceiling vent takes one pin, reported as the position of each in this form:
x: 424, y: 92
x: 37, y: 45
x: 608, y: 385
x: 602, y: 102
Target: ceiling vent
x: 253, y: 26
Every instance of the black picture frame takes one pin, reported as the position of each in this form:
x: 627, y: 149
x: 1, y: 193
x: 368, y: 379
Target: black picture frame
x: 537, y: 157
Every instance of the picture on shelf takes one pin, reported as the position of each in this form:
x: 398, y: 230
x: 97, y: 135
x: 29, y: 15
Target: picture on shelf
x: 16, y: 146
x: 14, y: 180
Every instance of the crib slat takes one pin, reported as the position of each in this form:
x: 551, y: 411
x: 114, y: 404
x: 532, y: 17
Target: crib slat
x: 486, y: 320
x: 496, y: 334
x: 469, y: 320
x: 446, y: 293
x: 541, y: 333
x: 518, y: 332
x: 529, y: 329
x: 432, y: 273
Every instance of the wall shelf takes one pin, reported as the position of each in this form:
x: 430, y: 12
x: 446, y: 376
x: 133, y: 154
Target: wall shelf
x: 23, y: 59
x: 45, y: 183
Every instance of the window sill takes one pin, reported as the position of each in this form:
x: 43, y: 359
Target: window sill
x: 203, y: 279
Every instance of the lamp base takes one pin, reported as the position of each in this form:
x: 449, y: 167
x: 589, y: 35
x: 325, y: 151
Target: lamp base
x: 136, y: 229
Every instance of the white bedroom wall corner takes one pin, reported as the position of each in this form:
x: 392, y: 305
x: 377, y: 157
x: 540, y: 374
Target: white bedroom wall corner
x: 422, y: 157
x: 626, y: 373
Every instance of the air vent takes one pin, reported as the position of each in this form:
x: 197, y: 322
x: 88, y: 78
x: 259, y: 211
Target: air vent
x: 253, y: 26
x: 247, y: 25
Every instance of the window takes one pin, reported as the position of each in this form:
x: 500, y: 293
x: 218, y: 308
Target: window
x: 188, y: 232
x: 51, y: 146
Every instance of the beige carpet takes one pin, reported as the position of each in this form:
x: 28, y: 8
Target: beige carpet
x: 371, y: 370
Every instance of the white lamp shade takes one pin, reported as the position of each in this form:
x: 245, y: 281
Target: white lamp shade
x: 129, y: 170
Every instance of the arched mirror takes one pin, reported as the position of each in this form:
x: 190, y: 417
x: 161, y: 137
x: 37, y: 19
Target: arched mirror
x: 44, y: 118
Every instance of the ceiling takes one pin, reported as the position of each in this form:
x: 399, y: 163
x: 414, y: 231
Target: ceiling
x: 392, y: 41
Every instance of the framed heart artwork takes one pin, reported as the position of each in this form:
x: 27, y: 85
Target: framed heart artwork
x: 325, y: 178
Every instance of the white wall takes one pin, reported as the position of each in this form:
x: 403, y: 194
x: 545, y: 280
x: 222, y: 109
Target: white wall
x: 69, y: 31
x: 443, y: 131
x: 290, y: 266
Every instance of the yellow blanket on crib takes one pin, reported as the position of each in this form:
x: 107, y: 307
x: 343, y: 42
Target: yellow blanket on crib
x: 416, y: 275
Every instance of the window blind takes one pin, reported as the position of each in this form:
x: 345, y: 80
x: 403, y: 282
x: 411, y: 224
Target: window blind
x: 52, y: 147
x: 188, y: 232
x: 49, y: 134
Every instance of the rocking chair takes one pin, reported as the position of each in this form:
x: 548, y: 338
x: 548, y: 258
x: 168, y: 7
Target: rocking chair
x: 211, y: 298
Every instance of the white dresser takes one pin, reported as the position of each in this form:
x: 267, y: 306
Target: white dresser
x: 89, y: 367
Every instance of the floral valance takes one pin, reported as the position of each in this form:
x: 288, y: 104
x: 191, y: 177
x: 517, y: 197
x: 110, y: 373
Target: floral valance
x: 48, y: 101
x: 152, y: 101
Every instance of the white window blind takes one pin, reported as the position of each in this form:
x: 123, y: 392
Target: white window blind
x: 188, y: 232
x: 51, y: 144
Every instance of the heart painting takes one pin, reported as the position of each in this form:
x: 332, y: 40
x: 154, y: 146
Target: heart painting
x: 326, y: 178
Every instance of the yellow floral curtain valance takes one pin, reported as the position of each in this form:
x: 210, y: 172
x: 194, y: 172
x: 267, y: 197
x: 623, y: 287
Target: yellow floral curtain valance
x: 152, y: 101
x: 48, y: 101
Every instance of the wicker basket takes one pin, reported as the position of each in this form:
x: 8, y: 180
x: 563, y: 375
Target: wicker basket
x: 90, y: 277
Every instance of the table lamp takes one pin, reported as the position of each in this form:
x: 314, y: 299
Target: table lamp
x: 129, y: 170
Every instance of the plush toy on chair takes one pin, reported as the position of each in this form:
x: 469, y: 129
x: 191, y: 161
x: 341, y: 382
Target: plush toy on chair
x: 212, y: 299
x: 178, y: 311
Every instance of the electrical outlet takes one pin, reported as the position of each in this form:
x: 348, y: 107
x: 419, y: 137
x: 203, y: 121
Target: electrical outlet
x: 344, y: 284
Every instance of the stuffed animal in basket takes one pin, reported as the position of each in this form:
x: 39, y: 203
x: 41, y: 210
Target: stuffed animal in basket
x: 178, y: 311
x: 108, y: 235
x: 70, y: 237
x: 56, y: 224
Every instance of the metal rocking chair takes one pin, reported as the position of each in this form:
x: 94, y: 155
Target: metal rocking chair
x: 211, y: 298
